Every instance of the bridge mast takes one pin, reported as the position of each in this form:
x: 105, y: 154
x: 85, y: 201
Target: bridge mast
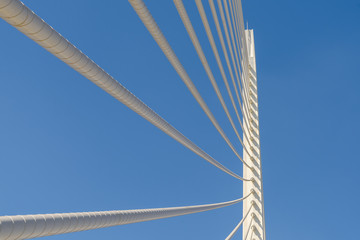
x: 254, y: 225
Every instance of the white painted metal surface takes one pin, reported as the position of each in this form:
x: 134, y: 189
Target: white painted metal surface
x: 153, y: 28
x: 186, y: 20
x: 32, y: 226
x: 241, y: 48
x: 231, y: 235
x: 27, y: 22
x: 218, y: 60
x: 256, y: 224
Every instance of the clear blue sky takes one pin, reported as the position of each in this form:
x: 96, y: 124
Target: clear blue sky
x: 67, y: 146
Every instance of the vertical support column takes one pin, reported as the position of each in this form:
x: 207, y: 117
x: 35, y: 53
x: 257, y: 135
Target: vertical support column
x: 254, y: 225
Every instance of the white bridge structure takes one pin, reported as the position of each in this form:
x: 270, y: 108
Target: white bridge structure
x: 238, y: 50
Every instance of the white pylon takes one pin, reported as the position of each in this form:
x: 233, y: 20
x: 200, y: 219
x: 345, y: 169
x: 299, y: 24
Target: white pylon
x: 26, y: 21
x: 256, y: 222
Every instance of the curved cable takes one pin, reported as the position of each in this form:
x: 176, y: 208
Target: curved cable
x: 231, y: 24
x: 220, y: 65
x: 238, y: 37
x: 27, y: 22
x: 244, y: 73
x: 246, y: 62
x: 249, y: 72
x: 191, y: 32
x: 243, y: 109
x: 249, y: 228
x: 40, y: 225
x: 239, y: 225
x: 149, y: 22
x: 243, y: 57
x: 239, y: 33
x: 234, y: 6
x: 232, y: 47
x: 251, y: 235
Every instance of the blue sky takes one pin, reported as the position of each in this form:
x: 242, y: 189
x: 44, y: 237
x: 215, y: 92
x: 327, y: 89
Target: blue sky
x: 67, y: 146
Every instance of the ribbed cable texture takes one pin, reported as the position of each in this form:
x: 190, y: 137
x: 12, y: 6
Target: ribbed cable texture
x: 242, y: 31
x: 245, y: 54
x: 149, y: 22
x: 242, y: 57
x: 233, y: 33
x: 229, y: 35
x: 40, y: 225
x: 191, y: 32
x: 245, y: 60
x: 218, y: 28
x: 239, y: 225
x: 220, y: 65
x: 27, y: 22
x: 237, y: 37
x: 233, y: 48
x: 240, y: 36
x: 243, y: 107
x: 239, y: 33
x: 237, y: 28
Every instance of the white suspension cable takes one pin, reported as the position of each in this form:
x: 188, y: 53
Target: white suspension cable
x: 241, y: 29
x: 246, y: 59
x: 149, y: 22
x: 220, y: 65
x: 241, y: 26
x: 251, y: 236
x: 22, y: 18
x: 246, y: 63
x: 218, y: 28
x: 240, y: 39
x: 226, y: 22
x: 243, y: 55
x: 221, y: 10
x: 27, y: 22
x: 239, y: 225
x: 249, y: 228
x: 242, y: 74
x: 238, y: 27
x: 191, y: 32
x: 235, y: 22
x: 40, y: 225
x: 240, y: 53
x: 216, y: 19
x: 232, y: 50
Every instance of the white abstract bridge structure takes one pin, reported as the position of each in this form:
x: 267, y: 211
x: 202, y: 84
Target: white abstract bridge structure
x: 238, y: 49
